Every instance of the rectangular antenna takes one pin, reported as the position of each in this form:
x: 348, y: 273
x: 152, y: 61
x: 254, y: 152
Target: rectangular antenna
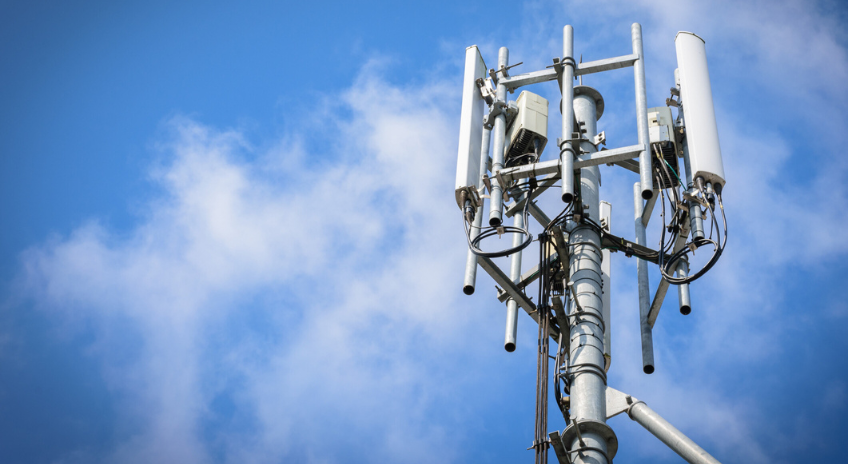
x: 470, y: 123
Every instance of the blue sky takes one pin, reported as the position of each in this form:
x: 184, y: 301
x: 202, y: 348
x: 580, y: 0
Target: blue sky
x: 229, y: 233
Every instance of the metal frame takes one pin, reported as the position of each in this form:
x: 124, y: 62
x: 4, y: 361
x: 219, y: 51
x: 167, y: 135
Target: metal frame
x: 587, y: 438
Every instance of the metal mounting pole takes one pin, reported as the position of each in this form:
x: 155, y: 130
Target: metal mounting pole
x: 566, y: 149
x: 643, y: 286
x: 645, y: 169
x: 471, y: 259
x: 683, y: 289
x: 515, y: 276
x: 588, y: 431
x: 496, y: 211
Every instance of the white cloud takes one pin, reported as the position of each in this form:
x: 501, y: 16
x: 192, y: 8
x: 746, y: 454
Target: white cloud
x: 343, y: 243
x: 358, y: 238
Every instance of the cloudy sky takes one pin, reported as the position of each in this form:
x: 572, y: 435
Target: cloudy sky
x: 229, y: 233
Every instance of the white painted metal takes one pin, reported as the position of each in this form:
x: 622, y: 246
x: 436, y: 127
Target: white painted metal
x: 470, y: 126
x: 697, y: 98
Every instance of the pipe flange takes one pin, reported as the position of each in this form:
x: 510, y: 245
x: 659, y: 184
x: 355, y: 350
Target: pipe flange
x: 590, y: 92
x: 591, y: 426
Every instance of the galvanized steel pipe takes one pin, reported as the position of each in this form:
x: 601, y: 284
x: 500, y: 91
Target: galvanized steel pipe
x: 515, y: 276
x: 643, y: 286
x: 471, y: 258
x: 586, y: 346
x: 496, y: 211
x: 645, y: 168
x: 567, y: 150
x: 683, y: 289
x: 668, y: 434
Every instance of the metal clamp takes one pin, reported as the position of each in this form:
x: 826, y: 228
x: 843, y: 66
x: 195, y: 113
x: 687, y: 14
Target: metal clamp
x: 495, y: 109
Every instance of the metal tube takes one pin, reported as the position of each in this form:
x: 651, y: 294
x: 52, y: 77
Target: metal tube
x: 566, y: 150
x: 606, y: 267
x: 644, y: 290
x: 662, y: 288
x: 696, y: 221
x: 496, y: 210
x: 645, y: 168
x: 586, y: 340
x: 668, y: 434
x: 683, y: 289
x: 515, y: 276
x: 471, y: 258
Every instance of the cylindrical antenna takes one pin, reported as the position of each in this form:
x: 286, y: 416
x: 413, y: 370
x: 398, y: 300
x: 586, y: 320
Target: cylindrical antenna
x: 645, y: 168
x: 696, y: 96
x: 496, y: 210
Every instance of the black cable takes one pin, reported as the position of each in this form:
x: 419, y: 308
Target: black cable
x: 474, y: 244
x: 667, y: 268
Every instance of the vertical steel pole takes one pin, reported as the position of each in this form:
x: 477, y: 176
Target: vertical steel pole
x: 587, y: 376
x: 644, y: 289
x: 496, y: 211
x: 683, y: 289
x: 645, y: 168
x: 471, y: 259
x: 566, y: 150
x: 515, y: 276
x: 606, y: 267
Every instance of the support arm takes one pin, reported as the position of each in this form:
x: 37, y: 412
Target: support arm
x: 618, y: 402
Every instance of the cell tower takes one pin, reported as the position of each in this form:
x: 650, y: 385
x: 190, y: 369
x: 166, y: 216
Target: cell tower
x: 573, y: 269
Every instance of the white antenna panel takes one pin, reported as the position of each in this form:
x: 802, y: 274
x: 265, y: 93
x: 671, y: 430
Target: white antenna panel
x: 470, y: 123
x: 698, y: 111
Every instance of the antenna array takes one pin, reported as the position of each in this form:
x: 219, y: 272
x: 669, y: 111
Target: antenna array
x: 500, y: 161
